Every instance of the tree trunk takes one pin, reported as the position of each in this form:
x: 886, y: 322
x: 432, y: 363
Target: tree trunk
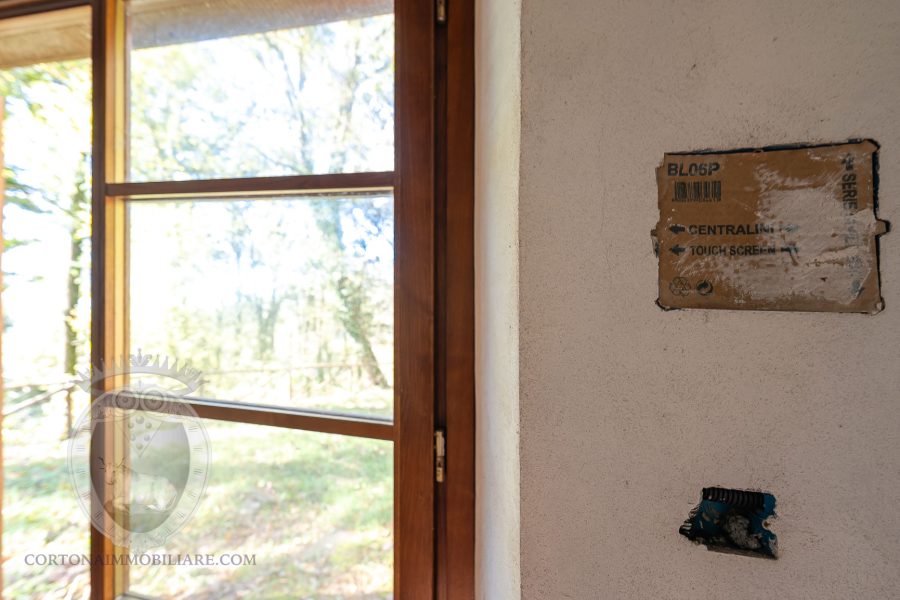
x: 73, y: 287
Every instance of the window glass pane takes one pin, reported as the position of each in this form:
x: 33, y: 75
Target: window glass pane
x: 313, y: 512
x: 238, y: 89
x: 284, y: 301
x: 45, y: 127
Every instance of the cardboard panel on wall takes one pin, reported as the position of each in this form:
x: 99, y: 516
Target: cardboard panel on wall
x: 782, y: 228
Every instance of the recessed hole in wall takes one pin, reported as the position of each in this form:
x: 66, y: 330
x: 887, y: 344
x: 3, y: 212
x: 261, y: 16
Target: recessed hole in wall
x: 734, y: 521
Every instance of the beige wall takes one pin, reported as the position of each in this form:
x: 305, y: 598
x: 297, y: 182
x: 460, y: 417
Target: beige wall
x: 627, y: 411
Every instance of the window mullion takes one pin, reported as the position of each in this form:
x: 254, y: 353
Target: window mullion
x: 255, y: 186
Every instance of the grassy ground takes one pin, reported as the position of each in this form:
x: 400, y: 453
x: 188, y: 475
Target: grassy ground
x: 315, y: 511
x: 40, y: 511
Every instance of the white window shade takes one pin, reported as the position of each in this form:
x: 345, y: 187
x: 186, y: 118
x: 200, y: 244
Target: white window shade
x: 65, y: 34
x: 166, y: 22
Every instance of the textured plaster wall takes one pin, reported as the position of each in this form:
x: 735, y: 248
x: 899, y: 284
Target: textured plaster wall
x: 498, y: 107
x: 627, y: 411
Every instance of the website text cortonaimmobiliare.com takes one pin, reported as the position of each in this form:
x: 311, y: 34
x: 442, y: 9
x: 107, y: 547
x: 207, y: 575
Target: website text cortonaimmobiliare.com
x: 145, y: 560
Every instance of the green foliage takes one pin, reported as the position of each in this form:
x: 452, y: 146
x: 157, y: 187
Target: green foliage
x: 191, y: 124
x: 310, y: 303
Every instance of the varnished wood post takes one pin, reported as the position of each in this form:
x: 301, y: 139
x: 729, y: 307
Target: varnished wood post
x: 458, y: 296
x: 108, y: 270
x: 414, y: 302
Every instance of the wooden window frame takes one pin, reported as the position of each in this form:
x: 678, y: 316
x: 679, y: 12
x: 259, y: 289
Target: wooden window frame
x: 433, y: 185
